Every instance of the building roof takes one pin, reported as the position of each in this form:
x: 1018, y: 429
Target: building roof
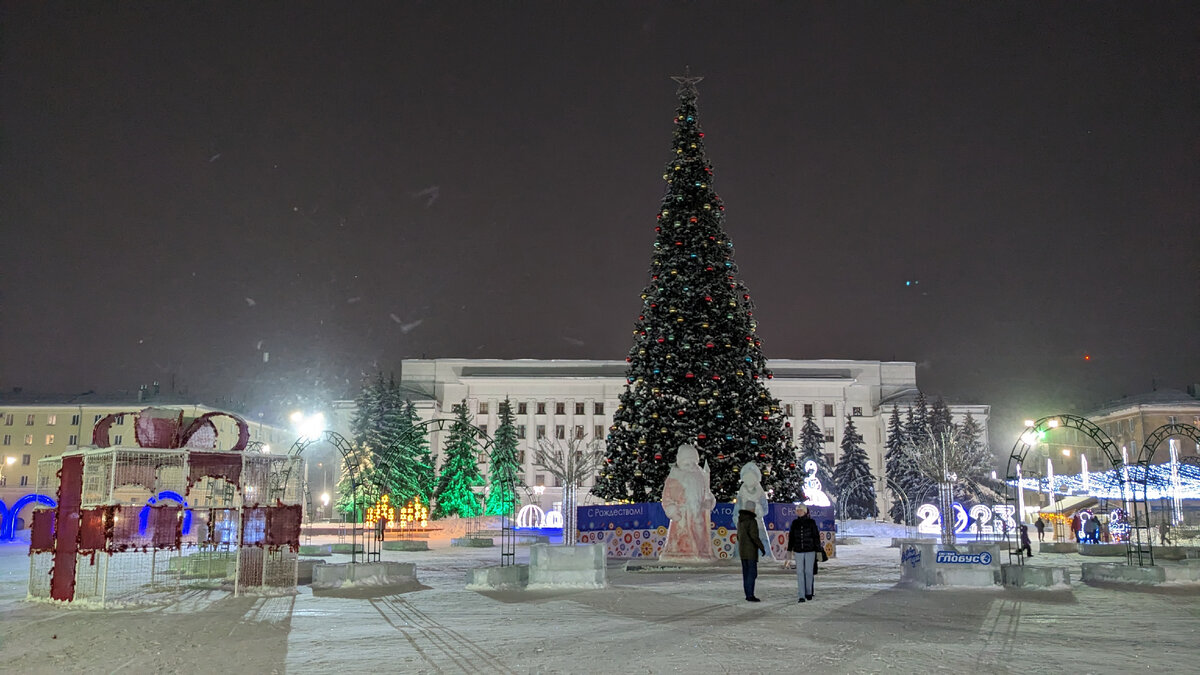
x: 1158, y: 397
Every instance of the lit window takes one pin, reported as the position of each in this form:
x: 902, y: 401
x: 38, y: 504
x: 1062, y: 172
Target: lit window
x: 578, y: 408
x: 598, y: 409
x: 539, y: 480
x: 560, y: 408
x: 856, y: 411
x: 28, y: 439
x: 541, y: 408
x: 541, y: 431
x: 51, y: 420
x: 29, y: 420
x: 522, y: 408
x: 49, y: 439
x: 8, y: 420
x: 560, y: 431
x: 483, y: 408
x: 828, y: 410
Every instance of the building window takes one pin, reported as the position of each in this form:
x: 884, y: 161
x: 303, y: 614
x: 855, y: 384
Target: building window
x: 24, y: 481
x: 579, y: 431
x: 7, y: 439
x: 560, y: 408
x: 521, y: 431
x: 828, y: 410
x: 483, y: 408
x: 117, y: 441
x: 828, y: 458
x: 8, y: 420
x: 578, y: 408
x: 541, y: 408
x: 560, y: 431
x: 1171, y: 419
x: 522, y: 408
x: 51, y: 420
x: 539, y: 480
x: 808, y: 409
x: 483, y: 429
x: 97, y: 419
x: 74, y: 420
x: 120, y: 419
x: 787, y: 410
x: 599, y: 432
x: 72, y: 440
x: 856, y: 411
x: 541, y: 431
x: 520, y: 457
x: 28, y: 439
x: 29, y: 420
x: 49, y: 439
x: 25, y: 459
x: 597, y: 408
x: 828, y: 434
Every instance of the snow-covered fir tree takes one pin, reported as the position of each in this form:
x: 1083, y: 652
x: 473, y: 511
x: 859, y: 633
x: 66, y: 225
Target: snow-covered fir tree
x: 852, y: 475
x: 415, y: 441
x: 917, y: 433
x: 504, y: 471
x: 696, y: 369
x: 812, y: 448
x: 940, y: 420
x: 898, y: 469
x: 455, y: 494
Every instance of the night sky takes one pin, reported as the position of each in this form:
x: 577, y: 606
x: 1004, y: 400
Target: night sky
x: 187, y: 186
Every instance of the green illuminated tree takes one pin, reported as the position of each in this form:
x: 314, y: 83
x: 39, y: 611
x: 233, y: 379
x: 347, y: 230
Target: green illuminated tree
x: 696, y: 370
x: 504, y: 470
x: 455, y: 494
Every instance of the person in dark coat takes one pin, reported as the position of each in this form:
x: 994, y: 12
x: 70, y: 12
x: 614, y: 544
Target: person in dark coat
x: 1025, y: 545
x: 750, y: 547
x: 1041, y: 528
x: 1076, y: 526
x: 804, y: 540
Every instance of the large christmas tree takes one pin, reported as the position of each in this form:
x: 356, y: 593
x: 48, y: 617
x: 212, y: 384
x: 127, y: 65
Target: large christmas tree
x: 696, y: 370
x: 455, y: 495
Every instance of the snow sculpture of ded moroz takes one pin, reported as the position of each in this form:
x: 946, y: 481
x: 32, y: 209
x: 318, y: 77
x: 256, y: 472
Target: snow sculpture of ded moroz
x: 751, y: 492
x: 688, y: 502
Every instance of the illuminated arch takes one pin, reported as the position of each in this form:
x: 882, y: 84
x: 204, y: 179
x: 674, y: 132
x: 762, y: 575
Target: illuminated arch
x: 8, y: 517
x: 144, y: 513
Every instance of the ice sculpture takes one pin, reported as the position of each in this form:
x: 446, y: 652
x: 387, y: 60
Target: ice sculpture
x: 688, y: 501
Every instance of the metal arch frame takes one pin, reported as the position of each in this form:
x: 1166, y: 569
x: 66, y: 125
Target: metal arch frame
x: 350, y: 460
x: 840, y: 510
x: 1145, y: 455
x: 508, y: 534
x: 1021, y: 449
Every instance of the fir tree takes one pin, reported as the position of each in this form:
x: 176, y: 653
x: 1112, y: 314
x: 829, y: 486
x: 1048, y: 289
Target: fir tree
x: 696, y: 369
x: 504, y: 469
x: 896, y: 467
x: 416, y: 445
x: 917, y: 433
x: 978, y: 486
x: 855, y: 484
x: 455, y: 495
x: 384, y: 427
x: 812, y: 448
x: 941, y: 422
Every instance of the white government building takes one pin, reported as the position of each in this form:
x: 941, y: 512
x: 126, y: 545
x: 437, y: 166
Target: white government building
x: 560, y: 399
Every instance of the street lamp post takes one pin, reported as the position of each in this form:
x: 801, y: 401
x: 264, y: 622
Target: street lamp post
x: 8, y: 461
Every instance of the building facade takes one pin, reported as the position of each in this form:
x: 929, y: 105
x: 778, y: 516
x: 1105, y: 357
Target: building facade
x: 37, y: 426
x: 564, y: 399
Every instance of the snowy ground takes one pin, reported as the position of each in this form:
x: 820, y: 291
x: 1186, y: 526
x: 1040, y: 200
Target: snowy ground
x: 860, y: 621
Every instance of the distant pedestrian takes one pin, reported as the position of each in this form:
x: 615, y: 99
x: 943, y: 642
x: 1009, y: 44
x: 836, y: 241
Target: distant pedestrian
x: 978, y: 528
x: 1076, y: 526
x: 1164, y: 533
x: 1041, y: 528
x: 750, y: 548
x: 804, y: 540
x: 1091, y: 530
x: 1025, y: 545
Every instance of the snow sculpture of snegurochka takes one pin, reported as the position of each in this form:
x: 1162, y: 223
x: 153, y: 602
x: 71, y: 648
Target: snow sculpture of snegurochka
x: 688, y: 502
x: 751, y: 492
